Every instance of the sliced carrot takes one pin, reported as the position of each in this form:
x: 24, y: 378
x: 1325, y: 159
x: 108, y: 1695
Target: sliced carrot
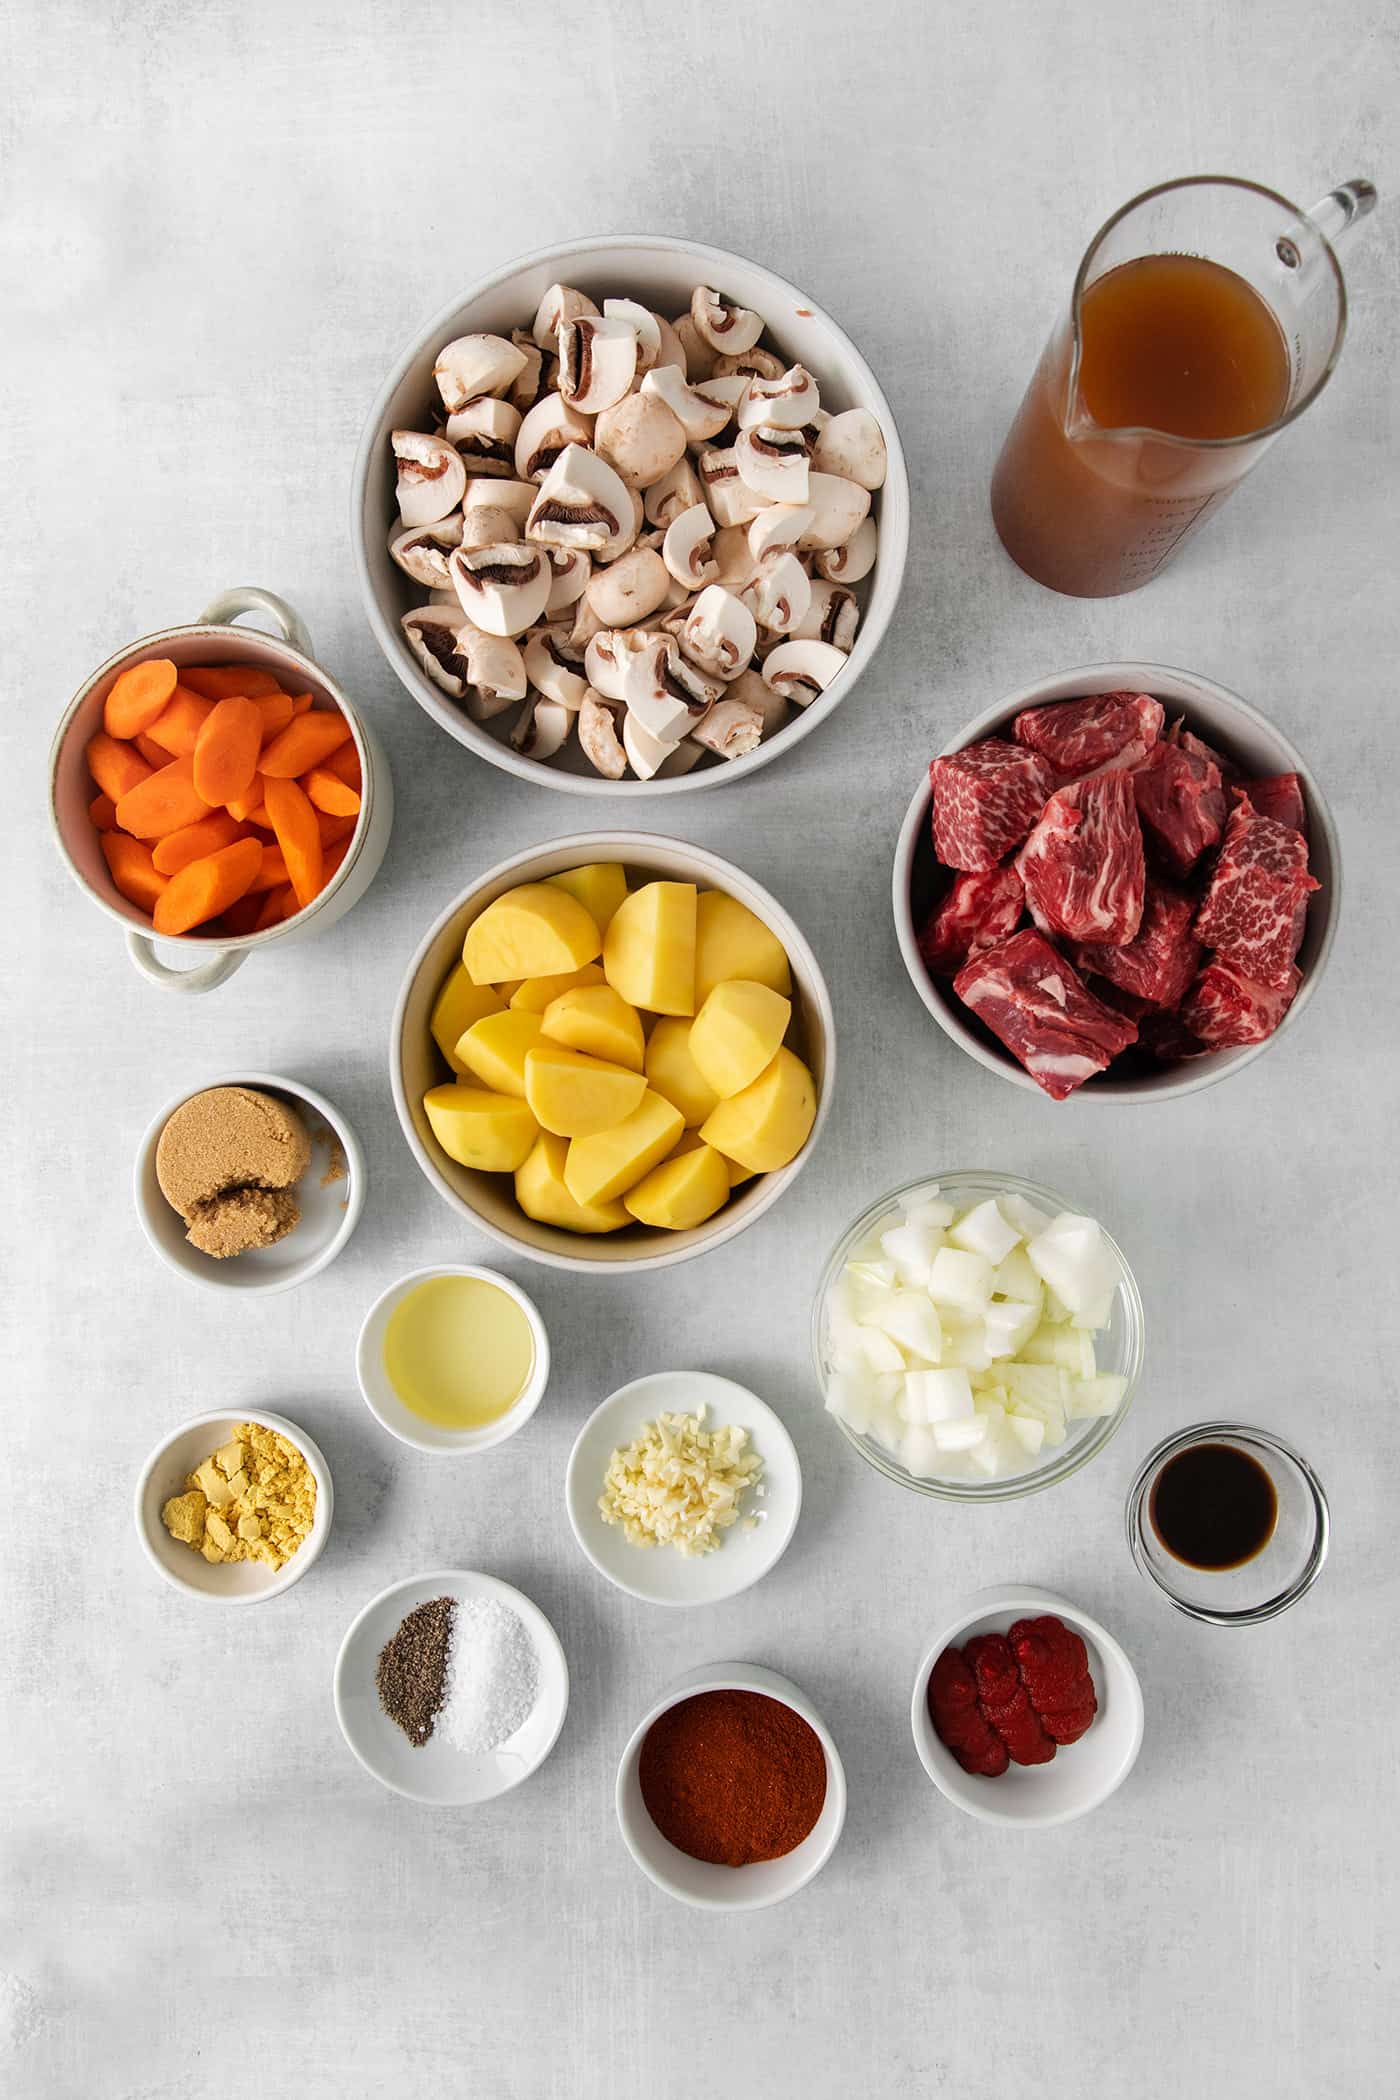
x: 333, y: 829
x: 132, y: 870
x: 154, y: 754
x: 277, y: 905
x: 226, y: 751
x: 178, y: 848
x: 115, y: 767
x: 241, y: 917
x: 228, y: 681
x: 299, y: 836
x: 208, y: 886
x: 166, y: 801
x: 336, y: 797
x: 276, y: 711
x: 178, y: 728
x: 138, y: 696
x: 102, y: 813
x: 307, y: 742
x: 242, y: 806
x: 272, y: 875
x: 301, y: 702
x: 333, y: 857
x: 345, y: 764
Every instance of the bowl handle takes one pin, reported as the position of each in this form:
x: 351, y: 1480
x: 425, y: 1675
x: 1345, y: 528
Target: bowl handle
x: 246, y: 597
x: 204, y: 977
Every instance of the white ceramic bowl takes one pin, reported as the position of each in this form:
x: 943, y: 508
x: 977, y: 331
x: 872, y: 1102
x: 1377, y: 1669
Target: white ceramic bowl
x: 165, y: 1473
x: 1223, y: 720
x: 658, y: 1574
x: 388, y: 1409
x: 487, y: 1201
x: 1081, y: 1775
x: 214, y: 639
x: 330, y: 1208
x: 661, y: 272
x: 697, y: 1881
x: 435, y: 1772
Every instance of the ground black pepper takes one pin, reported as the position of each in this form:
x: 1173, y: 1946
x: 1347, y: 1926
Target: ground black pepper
x: 412, y: 1669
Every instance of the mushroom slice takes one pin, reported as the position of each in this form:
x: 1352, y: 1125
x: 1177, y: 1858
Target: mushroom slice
x: 474, y: 365
x: 674, y: 492
x: 525, y: 391
x: 422, y: 551
x: 437, y: 636
x: 597, y: 735
x: 750, y: 688
x: 719, y: 632
x: 586, y: 626
x: 484, y: 433
x: 734, y: 557
x: 688, y: 548
x: 560, y: 303
x: 755, y: 364
x: 801, y: 670
x: 667, y: 694
x: 731, y: 500
x: 432, y: 479
x: 485, y: 525
x: 640, y: 437
x: 773, y: 462
x: 643, y: 324
x: 503, y: 587
x: 486, y: 492
x: 582, y: 503
x: 570, y: 580
x: 832, y: 615
x: 780, y: 594
x: 732, y: 728
x: 672, y: 349
x: 606, y: 657
x: 727, y: 329
x: 849, y: 564
x: 778, y: 529
x: 541, y: 728
x: 646, y: 754
x: 597, y: 362
x: 852, y: 444
x: 841, y: 507
x: 545, y: 431
x: 548, y: 668
x: 495, y: 671
x: 628, y: 589
x: 785, y: 403
x: 699, y: 416
x: 699, y: 357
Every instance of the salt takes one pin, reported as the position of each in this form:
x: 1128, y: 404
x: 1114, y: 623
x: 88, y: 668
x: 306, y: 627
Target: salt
x: 493, y: 1676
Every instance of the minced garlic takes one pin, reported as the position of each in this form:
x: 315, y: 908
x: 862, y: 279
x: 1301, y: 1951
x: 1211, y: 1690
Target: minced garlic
x: 253, y: 1499
x: 678, y: 1483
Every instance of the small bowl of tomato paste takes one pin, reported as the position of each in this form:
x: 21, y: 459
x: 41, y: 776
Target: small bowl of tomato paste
x: 1035, y: 1714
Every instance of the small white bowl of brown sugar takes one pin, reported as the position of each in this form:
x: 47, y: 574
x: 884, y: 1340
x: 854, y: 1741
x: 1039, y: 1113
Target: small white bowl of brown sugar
x: 251, y: 1183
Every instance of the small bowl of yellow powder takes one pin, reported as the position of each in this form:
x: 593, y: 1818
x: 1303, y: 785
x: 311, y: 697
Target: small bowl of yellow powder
x: 234, y: 1507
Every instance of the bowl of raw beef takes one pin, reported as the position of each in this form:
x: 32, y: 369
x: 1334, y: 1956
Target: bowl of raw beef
x: 1120, y: 883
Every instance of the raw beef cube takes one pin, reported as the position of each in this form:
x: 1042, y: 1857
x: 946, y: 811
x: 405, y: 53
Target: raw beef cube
x: 1255, y: 909
x: 1181, y: 802
x: 1159, y: 963
x: 1037, y: 1004
x: 1085, y: 736
x: 978, y: 911
x: 1054, y: 1666
x: 958, y: 1720
x: 1280, y: 796
x: 1225, y: 1010
x: 1083, y: 864
x: 985, y: 800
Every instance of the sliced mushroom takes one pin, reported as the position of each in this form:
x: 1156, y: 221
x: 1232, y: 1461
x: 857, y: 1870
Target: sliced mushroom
x: 586, y: 626
x: 801, y: 670
x: 773, y: 462
x: 514, y: 497
x: 699, y: 416
x: 734, y: 558
x: 607, y: 655
x: 485, y: 525
x: 832, y: 615
x: 525, y: 391
x: 597, y: 362
x: 583, y: 503
x: 541, y: 728
x: 484, y: 433
x: 785, y: 403
x: 549, y: 668
x: 772, y: 707
x: 732, y: 728
x: 496, y: 673
x: 629, y: 588
x: 778, y: 529
x: 646, y: 754
x: 849, y: 564
x: 640, y: 437
x: 779, y: 595
x: 840, y: 506
x: 674, y: 492
x: 727, y: 329
x: 643, y: 324
x: 731, y: 500
x: 755, y: 364
x: 475, y: 365
x: 560, y: 303
x: 597, y: 735
x: 699, y: 357
x: 436, y: 635
x: 688, y: 548
x: 422, y: 551
x: 672, y: 350
x: 668, y: 694
x: 571, y: 573
x: 852, y: 444
x: 549, y: 427
x: 719, y: 632
x: 504, y: 587
x: 432, y: 479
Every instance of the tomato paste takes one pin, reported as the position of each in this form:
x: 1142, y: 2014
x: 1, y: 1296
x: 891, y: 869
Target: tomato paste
x: 1012, y: 1698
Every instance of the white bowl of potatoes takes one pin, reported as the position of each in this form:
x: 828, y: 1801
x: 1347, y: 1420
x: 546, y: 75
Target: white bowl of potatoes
x: 632, y: 436
x: 574, y: 1114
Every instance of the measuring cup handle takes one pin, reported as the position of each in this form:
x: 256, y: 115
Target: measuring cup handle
x: 246, y: 597
x: 204, y: 977
x: 1344, y: 207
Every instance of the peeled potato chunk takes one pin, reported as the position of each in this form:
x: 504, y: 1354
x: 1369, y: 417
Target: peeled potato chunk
x: 597, y: 1020
x: 600, y: 887
x: 649, y: 953
x: 683, y: 1191
x: 737, y: 1174
x: 533, y: 994
x: 737, y: 1034
x: 672, y: 1070
x: 578, y: 1096
x: 491, y: 1132
x: 494, y: 1050
x: 731, y: 941
x: 543, y: 1195
x: 602, y: 1167
x: 770, y: 1121
x: 459, y: 1005
x: 535, y: 930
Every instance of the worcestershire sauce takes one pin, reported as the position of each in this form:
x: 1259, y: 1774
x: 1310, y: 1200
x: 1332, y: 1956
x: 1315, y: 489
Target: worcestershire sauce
x: 1213, y: 1507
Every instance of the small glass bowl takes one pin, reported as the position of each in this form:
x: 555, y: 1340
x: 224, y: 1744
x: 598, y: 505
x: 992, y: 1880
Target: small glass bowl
x: 1284, y: 1569
x: 1119, y: 1348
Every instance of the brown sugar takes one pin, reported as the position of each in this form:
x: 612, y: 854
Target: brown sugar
x: 240, y: 1219
x: 227, y: 1161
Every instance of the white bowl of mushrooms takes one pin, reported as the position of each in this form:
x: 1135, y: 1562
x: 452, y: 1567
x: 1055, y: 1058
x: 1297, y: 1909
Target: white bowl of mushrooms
x: 632, y: 513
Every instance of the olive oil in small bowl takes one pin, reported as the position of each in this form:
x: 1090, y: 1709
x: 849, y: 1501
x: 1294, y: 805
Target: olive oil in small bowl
x: 453, y: 1360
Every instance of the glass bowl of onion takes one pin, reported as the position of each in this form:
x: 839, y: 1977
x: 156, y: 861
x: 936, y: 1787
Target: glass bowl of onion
x: 977, y: 1337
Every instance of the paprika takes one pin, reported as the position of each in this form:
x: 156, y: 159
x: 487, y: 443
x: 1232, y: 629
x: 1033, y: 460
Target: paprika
x: 732, y: 1777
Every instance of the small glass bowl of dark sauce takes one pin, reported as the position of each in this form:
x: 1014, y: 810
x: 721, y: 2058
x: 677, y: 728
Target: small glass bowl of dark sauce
x: 1231, y: 1523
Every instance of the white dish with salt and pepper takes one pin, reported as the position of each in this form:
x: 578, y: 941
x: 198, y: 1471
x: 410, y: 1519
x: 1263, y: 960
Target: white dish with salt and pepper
x: 436, y: 1772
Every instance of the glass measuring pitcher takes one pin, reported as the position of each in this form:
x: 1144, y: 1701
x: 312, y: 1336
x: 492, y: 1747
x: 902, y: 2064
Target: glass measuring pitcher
x: 1206, y: 316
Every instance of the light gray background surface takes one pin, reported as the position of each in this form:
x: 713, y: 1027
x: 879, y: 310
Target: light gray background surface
x: 220, y: 225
